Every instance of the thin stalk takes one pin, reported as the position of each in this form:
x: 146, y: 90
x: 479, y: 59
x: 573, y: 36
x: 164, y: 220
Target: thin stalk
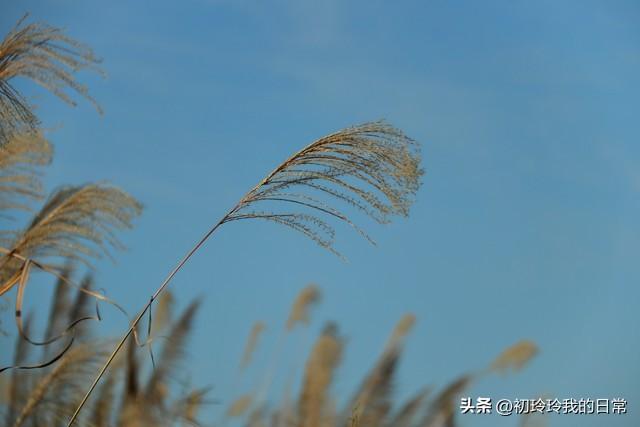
x: 134, y: 324
x: 162, y: 287
x: 390, y: 168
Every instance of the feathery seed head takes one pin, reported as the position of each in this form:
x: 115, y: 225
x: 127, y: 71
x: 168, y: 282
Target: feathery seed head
x: 45, y: 55
x: 372, y: 167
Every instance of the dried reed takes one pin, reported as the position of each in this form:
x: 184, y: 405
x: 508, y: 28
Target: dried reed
x: 373, y: 167
x: 48, y: 57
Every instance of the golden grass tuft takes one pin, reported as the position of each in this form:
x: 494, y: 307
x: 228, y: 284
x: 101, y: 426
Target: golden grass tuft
x: 372, y: 167
x: 20, y: 158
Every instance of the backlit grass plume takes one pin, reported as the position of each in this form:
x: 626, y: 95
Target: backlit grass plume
x: 131, y: 395
x: 20, y: 157
x: 47, y: 56
x: 372, y: 167
x: 375, y: 402
x: 323, y: 361
x: 76, y: 223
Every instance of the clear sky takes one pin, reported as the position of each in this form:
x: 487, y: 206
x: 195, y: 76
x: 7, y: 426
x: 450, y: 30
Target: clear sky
x: 526, y: 225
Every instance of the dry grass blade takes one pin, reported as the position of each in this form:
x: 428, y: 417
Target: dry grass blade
x: 187, y: 409
x: 172, y: 351
x: 372, y: 167
x: 403, y: 327
x: 443, y: 409
x: 52, y: 388
x: 408, y: 412
x: 320, y: 369
x: 372, y: 403
x: 373, y: 399
x: 20, y: 158
x: 47, y: 56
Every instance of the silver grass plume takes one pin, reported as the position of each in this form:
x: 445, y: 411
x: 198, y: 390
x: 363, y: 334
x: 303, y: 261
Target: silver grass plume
x: 20, y: 158
x: 77, y: 223
x: 372, y: 402
x: 54, y: 390
x: 373, y: 167
x: 321, y: 366
x: 47, y: 56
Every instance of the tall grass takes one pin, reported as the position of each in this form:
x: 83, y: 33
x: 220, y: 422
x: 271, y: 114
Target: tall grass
x: 75, y: 223
x: 133, y: 394
x: 136, y: 394
x: 374, y: 401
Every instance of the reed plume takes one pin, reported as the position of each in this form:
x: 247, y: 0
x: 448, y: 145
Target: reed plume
x: 325, y: 358
x: 299, y: 314
x: 372, y: 402
x: 76, y: 223
x: 172, y: 353
x: 54, y: 388
x: 46, y: 56
x: 372, y: 167
x: 442, y: 410
x: 403, y: 327
x: 21, y: 156
x: 406, y: 415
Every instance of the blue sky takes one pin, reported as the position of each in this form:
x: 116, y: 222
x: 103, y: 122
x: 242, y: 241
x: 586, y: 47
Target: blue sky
x: 526, y: 225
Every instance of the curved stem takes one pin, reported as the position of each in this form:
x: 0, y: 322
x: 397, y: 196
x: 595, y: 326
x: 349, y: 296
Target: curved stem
x: 134, y: 324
